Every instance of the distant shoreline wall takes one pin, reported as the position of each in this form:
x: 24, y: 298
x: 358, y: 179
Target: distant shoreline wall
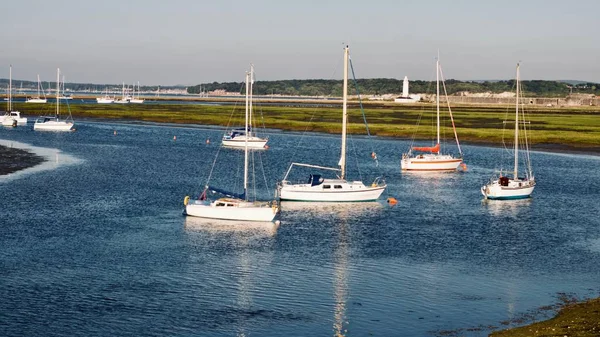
x: 545, y: 101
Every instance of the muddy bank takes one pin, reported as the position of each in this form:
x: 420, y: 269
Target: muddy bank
x: 12, y: 159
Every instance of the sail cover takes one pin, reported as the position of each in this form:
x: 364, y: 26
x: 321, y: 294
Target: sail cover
x: 432, y: 149
x: 227, y: 193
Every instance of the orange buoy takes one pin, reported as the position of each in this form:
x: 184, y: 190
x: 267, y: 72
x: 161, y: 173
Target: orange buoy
x: 174, y: 137
x: 115, y: 132
x: 208, y: 141
x: 463, y: 166
x: 266, y: 146
x: 392, y: 201
x: 373, y: 155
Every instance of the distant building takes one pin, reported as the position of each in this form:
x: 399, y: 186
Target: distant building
x: 406, y: 98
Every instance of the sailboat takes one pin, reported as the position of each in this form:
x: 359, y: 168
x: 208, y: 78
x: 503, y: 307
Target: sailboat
x: 54, y: 123
x: 503, y: 187
x: 125, y: 98
x: 106, y: 99
x: 38, y: 98
x: 233, y: 206
x: 332, y: 190
x: 137, y: 100
x: 238, y: 137
x: 11, y: 117
x: 432, y: 158
x: 64, y: 96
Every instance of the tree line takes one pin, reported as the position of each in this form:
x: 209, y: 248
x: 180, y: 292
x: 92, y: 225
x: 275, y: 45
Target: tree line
x: 385, y: 86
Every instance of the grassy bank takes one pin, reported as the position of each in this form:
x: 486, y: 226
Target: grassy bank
x: 577, y: 127
x: 573, y: 320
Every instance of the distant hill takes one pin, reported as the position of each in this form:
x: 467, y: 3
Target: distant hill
x: 386, y: 86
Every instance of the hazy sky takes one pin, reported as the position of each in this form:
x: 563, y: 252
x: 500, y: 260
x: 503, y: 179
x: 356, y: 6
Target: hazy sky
x: 196, y: 41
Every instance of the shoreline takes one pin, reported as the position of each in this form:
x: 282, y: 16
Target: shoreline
x: 14, y: 159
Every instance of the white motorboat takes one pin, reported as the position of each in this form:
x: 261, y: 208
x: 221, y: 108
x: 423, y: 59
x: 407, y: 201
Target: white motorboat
x: 503, y: 187
x: 337, y: 189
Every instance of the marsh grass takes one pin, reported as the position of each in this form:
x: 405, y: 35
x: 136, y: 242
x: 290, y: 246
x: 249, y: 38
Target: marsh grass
x: 576, y: 126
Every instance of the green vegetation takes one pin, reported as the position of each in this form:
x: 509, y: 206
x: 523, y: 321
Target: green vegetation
x: 573, y: 320
x: 382, y: 86
x: 577, y: 127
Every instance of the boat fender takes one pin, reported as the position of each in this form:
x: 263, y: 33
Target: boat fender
x: 186, y: 200
x: 266, y: 146
x: 374, y: 185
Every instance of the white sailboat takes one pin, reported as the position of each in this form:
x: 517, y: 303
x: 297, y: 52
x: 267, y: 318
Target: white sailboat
x: 331, y: 190
x: 125, y: 98
x: 240, y: 136
x: 64, y: 96
x: 233, y: 207
x: 106, y: 99
x: 137, y: 100
x: 503, y: 187
x: 12, y: 117
x: 38, y: 98
x: 54, y: 123
x: 434, y: 160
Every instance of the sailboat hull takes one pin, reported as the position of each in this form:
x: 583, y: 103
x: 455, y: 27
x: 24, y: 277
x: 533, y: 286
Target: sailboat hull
x: 430, y: 162
x: 240, y: 142
x: 242, y: 211
x: 53, y: 126
x: 514, y: 190
x: 330, y: 191
x: 36, y: 100
x: 8, y: 119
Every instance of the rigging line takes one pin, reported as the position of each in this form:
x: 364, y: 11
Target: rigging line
x: 450, y: 111
x: 212, y: 168
x: 264, y: 169
x: 362, y: 110
x: 312, y: 117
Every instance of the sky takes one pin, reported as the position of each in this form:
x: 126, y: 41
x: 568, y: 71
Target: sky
x: 187, y: 42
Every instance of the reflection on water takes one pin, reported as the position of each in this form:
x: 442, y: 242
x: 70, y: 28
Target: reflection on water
x: 506, y: 207
x: 340, y: 280
x: 343, y: 209
x: 216, y: 226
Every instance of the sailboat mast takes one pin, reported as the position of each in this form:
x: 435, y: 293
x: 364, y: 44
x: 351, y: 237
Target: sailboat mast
x: 10, y: 89
x: 437, y: 81
x: 251, y: 90
x: 516, y: 173
x: 246, y: 144
x: 344, y: 114
x: 57, y: 92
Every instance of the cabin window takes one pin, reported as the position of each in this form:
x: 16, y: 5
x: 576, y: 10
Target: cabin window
x: 220, y: 204
x: 326, y: 186
x: 337, y: 186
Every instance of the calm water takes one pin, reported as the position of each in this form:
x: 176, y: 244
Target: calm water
x: 97, y: 245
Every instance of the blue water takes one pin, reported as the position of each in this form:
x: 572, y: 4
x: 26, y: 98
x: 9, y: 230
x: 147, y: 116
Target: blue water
x: 98, y: 245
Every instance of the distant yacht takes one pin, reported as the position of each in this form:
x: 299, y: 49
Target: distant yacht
x: 11, y: 117
x: 106, y: 99
x: 137, y: 100
x: 54, y: 123
x: 125, y: 98
x: 38, y: 98
x: 406, y: 98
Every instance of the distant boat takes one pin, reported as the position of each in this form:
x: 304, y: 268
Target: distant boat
x: 137, y: 100
x: 503, y: 187
x: 64, y: 96
x: 242, y: 137
x: 54, y: 123
x: 434, y: 160
x: 330, y: 190
x: 38, y: 98
x: 233, y: 206
x: 106, y: 99
x: 11, y: 117
x: 125, y: 98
